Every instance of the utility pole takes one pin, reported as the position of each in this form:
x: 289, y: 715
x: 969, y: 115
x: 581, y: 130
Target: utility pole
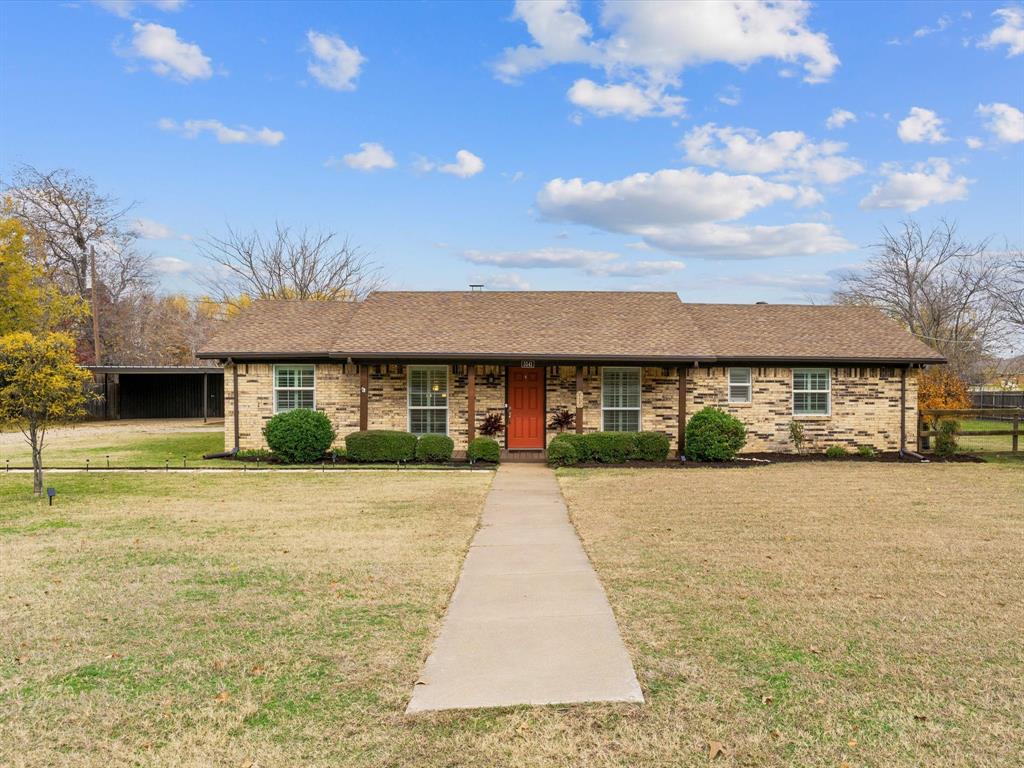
x: 94, y: 308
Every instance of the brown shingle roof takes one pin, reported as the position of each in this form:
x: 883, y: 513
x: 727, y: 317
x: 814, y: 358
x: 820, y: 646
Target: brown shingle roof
x: 276, y: 327
x: 535, y: 324
x: 800, y: 331
x: 563, y: 325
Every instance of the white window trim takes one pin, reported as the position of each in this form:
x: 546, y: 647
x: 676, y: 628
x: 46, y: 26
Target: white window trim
x: 827, y: 391
x: 409, y: 407
x: 640, y: 383
x: 294, y: 389
x: 749, y: 385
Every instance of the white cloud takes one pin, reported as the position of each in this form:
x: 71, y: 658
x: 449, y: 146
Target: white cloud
x: 243, y: 134
x: 1010, y: 31
x: 169, y: 55
x: 650, y: 43
x: 501, y: 281
x: 593, y: 263
x: 169, y: 265
x: 731, y: 96
x: 369, y: 157
x: 921, y: 125
x: 628, y: 100
x: 682, y: 211
x: 788, y: 153
x: 335, y: 64
x: 1006, y: 123
x: 466, y: 164
x: 839, y: 118
x: 661, y: 39
x: 973, y: 142
x: 927, y: 183
x: 125, y: 8
x: 148, y: 229
x: 940, y: 25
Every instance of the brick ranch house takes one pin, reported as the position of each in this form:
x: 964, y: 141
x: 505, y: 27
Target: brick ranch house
x: 442, y: 361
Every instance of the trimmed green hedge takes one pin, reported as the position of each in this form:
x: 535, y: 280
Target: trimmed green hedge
x: 434, y: 448
x: 484, y: 449
x: 300, y: 436
x: 608, y: 447
x: 714, y: 435
x: 652, y: 446
x: 562, y: 451
x: 380, y: 445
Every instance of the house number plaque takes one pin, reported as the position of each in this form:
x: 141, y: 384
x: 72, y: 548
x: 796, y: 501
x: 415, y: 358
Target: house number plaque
x: 527, y: 364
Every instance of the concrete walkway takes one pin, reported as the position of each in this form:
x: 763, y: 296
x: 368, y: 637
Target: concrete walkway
x: 529, y: 622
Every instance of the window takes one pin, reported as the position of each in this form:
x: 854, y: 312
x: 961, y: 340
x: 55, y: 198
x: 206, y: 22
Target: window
x: 293, y: 387
x: 620, y: 399
x: 428, y: 400
x: 739, y: 385
x: 811, y: 387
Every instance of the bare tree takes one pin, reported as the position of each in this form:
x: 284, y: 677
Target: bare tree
x: 938, y: 286
x: 87, y: 250
x: 287, y: 265
x: 1009, y: 292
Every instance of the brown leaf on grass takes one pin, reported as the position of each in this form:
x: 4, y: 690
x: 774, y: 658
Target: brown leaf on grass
x: 257, y: 671
x: 920, y: 718
x: 222, y: 697
x: 852, y: 742
x: 21, y: 659
x: 715, y: 749
x: 115, y: 655
x: 814, y: 649
x: 767, y: 700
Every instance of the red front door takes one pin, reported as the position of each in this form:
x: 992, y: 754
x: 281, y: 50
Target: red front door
x: 525, y: 408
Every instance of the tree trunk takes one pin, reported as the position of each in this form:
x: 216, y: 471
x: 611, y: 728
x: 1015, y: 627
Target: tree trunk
x: 37, y: 462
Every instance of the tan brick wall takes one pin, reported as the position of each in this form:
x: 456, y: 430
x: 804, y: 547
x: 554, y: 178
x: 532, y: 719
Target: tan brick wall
x: 865, y: 402
x: 865, y: 408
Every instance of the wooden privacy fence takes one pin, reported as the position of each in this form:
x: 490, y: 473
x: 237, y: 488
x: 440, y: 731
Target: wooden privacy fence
x: 928, y: 417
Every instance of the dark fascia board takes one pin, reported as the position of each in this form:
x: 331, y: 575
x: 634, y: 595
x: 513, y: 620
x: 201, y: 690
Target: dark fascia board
x: 377, y: 358
x: 464, y: 357
x: 250, y: 357
x: 184, y: 370
x: 829, y: 361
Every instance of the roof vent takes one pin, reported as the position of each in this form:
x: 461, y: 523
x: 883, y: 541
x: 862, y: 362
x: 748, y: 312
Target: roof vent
x: 760, y: 302
x: 476, y: 286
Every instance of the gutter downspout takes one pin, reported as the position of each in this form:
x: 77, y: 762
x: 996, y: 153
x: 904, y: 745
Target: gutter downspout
x: 903, y: 411
x: 234, y: 379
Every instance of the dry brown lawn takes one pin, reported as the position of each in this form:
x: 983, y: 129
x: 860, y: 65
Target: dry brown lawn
x: 860, y: 615
x: 799, y: 615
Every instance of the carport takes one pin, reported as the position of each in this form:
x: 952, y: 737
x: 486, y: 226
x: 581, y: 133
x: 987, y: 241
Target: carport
x: 157, y: 392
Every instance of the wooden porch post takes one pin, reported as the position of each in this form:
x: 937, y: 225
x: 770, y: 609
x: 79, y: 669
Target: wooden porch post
x: 471, y: 401
x: 364, y: 397
x: 683, y: 373
x: 579, y: 399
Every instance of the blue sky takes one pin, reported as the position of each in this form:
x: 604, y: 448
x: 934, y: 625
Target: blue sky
x: 542, y: 145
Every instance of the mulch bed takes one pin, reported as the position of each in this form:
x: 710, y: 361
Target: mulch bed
x: 764, y: 459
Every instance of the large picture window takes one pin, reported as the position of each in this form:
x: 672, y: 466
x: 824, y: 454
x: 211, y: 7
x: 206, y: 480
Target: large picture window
x: 739, y: 385
x: 294, y: 387
x: 811, y: 391
x: 620, y: 399
x: 428, y: 399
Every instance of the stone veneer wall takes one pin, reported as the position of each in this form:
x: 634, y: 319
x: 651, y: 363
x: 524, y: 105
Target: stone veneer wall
x: 865, y: 402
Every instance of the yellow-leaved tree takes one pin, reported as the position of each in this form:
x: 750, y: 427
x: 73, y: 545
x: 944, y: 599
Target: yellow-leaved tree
x: 41, y: 385
x: 939, y: 388
x: 29, y: 300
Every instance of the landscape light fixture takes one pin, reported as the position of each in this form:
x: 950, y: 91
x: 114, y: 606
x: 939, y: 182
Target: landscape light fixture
x: 51, y: 492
